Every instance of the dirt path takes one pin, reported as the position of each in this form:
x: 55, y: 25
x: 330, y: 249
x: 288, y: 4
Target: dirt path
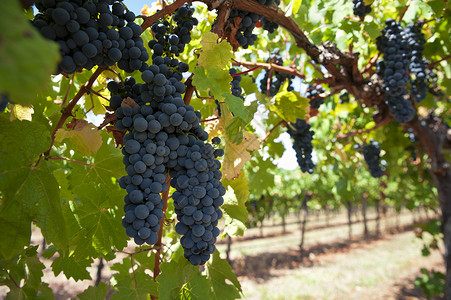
x: 381, y: 269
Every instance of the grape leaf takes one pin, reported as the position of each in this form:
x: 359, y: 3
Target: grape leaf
x: 27, y: 58
x: 85, y: 136
x: 236, y: 106
x: 71, y: 267
x: 290, y: 106
x: 219, y: 272
x: 179, y: 277
x: 102, y: 224
x: 236, y: 155
x: 214, y: 54
x: 94, y: 292
x: 213, y: 79
x: 30, y: 192
x: 107, y: 164
x: 137, y: 286
x: 235, y: 204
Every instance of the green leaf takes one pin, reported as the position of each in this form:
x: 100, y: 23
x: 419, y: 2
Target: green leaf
x: 290, y: 106
x: 181, y: 280
x: 102, y: 225
x: 236, y: 106
x: 30, y: 192
x: 235, y: 204
x: 219, y: 272
x: 94, y: 292
x: 214, y: 54
x: 128, y: 288
x: 27, y: 58
x: 71, y: 267
x: 415, y: 7
x: 215, y: 79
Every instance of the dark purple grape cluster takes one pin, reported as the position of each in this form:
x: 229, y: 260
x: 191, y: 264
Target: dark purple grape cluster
x: 270, y: 86
x: 302, y: 143
x: 395, y: 70
x: 314, y: 94
x: 198, y: 198
x: 415, y: 41
x: 371, y: 154
x: 171, y: 40
x: 92, y: 33
x: 360, y: 9
x: 165, y: 137
x: 244, y: 35
x: 235, y: 83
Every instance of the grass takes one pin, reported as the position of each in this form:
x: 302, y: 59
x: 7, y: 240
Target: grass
x: 346, y: 274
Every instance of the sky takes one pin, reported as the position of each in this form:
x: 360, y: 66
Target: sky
x: 136, y: 5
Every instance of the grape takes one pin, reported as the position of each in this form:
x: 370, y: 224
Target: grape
x: 132, y: 146
x: 371, y: 154
x: 141, y: 211
x: 360, y: 9
x: 302, y: 143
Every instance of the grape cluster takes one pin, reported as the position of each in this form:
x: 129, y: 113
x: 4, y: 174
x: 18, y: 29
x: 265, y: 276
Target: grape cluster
x: 360, y: 9
x: 235, y: 83
x: 415, y: 41
x: 91, y: 33
x: 371, y: 154
x: 164, y: 136
x: 197, y: 199
x: 313, y: 93
x: 171, y: 40
x: 302, y: 143
x: 277, y: 78
x: 244, y: 35
x: 395, y: 70
x: 344, y: 98
x: 433, y: 87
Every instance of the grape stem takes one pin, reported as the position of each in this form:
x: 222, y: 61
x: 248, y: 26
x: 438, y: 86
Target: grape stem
x: 245, y: 72
x: 274, y: 128
x: 67, y: 111
x: 433, y: 64
x: 68, y: 89
x: 158, y: 245
x: 167, y: 10
x: 12, y: 279
x: 404, y: 10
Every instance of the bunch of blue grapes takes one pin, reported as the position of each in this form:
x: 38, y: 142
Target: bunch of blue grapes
x: 314, y: 94
x: 415, y: 41
x: 164, y: 137
x: 198, y: 198
x: 91, y: 33
x: 302, y: 143
x: 244, y: 35
x: 270, y: 86
x: 169, y: 39
x: 371, y: 154
x: 395, y: 70
x: 360, y: 9
x: 236, y: 89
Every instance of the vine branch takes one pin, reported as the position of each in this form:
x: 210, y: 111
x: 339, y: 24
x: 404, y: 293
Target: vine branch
x: 274, y: 128
x: 67, y: 111
x: 269, y: 66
